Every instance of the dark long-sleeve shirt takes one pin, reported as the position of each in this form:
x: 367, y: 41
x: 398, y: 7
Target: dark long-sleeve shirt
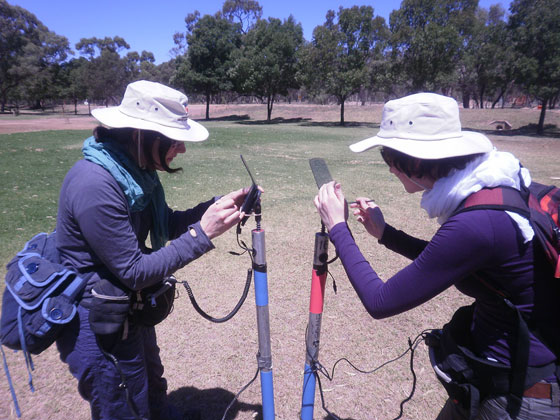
x: 97, y: 233
x: 482, y: 242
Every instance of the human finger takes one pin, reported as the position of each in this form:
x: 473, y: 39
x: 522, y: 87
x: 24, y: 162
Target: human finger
x: 316, y: 201
x: 225, y: 202
x: 232, y: 218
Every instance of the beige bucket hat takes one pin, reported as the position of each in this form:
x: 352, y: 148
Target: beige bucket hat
x: 153, y: 106
x: 426, y: 126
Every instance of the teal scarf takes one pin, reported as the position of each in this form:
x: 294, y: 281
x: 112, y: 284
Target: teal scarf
x: 141, y: 187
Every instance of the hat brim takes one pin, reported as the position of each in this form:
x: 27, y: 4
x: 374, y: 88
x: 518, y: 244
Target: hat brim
x: 469, y: 143
x: 190, y: 131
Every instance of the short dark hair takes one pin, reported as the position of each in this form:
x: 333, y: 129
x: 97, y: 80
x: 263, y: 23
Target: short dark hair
x: 124, y: 135
x: 416, y: 167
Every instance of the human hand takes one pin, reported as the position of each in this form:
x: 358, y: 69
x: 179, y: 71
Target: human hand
x: 220, y: 216
x: 224, y: 213
x: 369, y: 215
x: 331, y: 205
x: 241, y: 195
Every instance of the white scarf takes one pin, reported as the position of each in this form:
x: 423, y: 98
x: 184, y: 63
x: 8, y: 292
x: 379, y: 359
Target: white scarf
x: 492, y: 169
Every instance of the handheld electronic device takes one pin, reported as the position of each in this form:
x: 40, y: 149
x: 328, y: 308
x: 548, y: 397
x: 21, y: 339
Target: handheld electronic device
x: 252, y: 197
x: 320, y: 171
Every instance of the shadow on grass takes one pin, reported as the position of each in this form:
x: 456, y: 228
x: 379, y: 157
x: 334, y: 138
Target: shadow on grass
x: 530, y: 130
x: 335, y: 124
x: 273, y: 121
x: 308, y: 122
x: 233, y: 117
x: 211, y: 403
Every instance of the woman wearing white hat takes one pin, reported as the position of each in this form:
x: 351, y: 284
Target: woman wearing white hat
x: 478, y: 251
x: 109, y: 202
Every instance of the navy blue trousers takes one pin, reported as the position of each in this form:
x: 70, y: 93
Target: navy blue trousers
x: 98, y: 379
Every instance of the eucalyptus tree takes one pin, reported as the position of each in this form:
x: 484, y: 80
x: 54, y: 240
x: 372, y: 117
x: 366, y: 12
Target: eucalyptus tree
x: 205, y: 67
x: 141, y: 66
x: 267, y: 64
x: 106, y: 74
x: 28, y: 52
x: 244, y: 12
x: 342, y: 52
x: 487, y: 64
x: 535, y: 29
x: 71, y: 81
x: 427, y: 40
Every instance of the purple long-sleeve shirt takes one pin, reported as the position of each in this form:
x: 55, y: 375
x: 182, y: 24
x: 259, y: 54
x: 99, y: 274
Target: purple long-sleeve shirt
x: 97, y: 233
x: 485, y: 242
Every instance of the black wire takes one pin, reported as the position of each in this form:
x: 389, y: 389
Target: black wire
x: 317, y: 368
x: 403, y: 402
x: 241, y: 301
x: 233, y: 311
x: 239, y: 393
x: 334, y: 416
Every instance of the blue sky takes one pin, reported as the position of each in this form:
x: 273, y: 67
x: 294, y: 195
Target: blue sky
x: 150, y: 25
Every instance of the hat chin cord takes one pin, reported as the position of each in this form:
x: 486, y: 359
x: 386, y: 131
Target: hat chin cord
x: 417, y: 183
x: 140, y: 154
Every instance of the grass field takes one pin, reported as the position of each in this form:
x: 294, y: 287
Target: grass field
x: 206, y: 364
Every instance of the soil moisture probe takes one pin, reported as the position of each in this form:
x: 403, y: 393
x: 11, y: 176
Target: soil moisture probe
x: 257, y: 253
x: 264, y: 356
x: 318, y: 278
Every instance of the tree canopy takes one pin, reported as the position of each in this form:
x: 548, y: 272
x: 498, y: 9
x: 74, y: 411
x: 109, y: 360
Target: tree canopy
x: 535, y: 28
x: 427, y: 41
x: 29, y: 54
x: 336, y: 60
x: 267, y: 65
x: 205, y: 68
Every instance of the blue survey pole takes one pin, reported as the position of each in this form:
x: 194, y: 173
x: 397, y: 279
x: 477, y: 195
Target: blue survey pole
x: 264, y: 356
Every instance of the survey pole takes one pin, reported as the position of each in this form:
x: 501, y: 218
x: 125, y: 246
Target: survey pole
x: 264, y: 356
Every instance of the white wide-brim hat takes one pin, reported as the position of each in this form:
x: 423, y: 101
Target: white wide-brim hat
x: 425, y: 126
x: 153, y: 106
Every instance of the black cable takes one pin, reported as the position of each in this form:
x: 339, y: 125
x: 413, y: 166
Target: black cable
x: 241, y: 301
x: 234, y: 310
x: 334, y: 416
x: 403, y: 402
x: 317, y: 368
x: 239, y: 393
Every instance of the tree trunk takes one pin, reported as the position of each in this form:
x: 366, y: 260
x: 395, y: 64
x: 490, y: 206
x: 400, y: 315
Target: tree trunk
x: 481, y: 96
x: 207, y: 106
x: 497, y: 99
x: 75, y: 106
x: 269, y: 105
x: 466, y: 100
x: 342, y: 112
x: 540, y: 128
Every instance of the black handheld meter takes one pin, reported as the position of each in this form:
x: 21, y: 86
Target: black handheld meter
x: 252, y: 196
